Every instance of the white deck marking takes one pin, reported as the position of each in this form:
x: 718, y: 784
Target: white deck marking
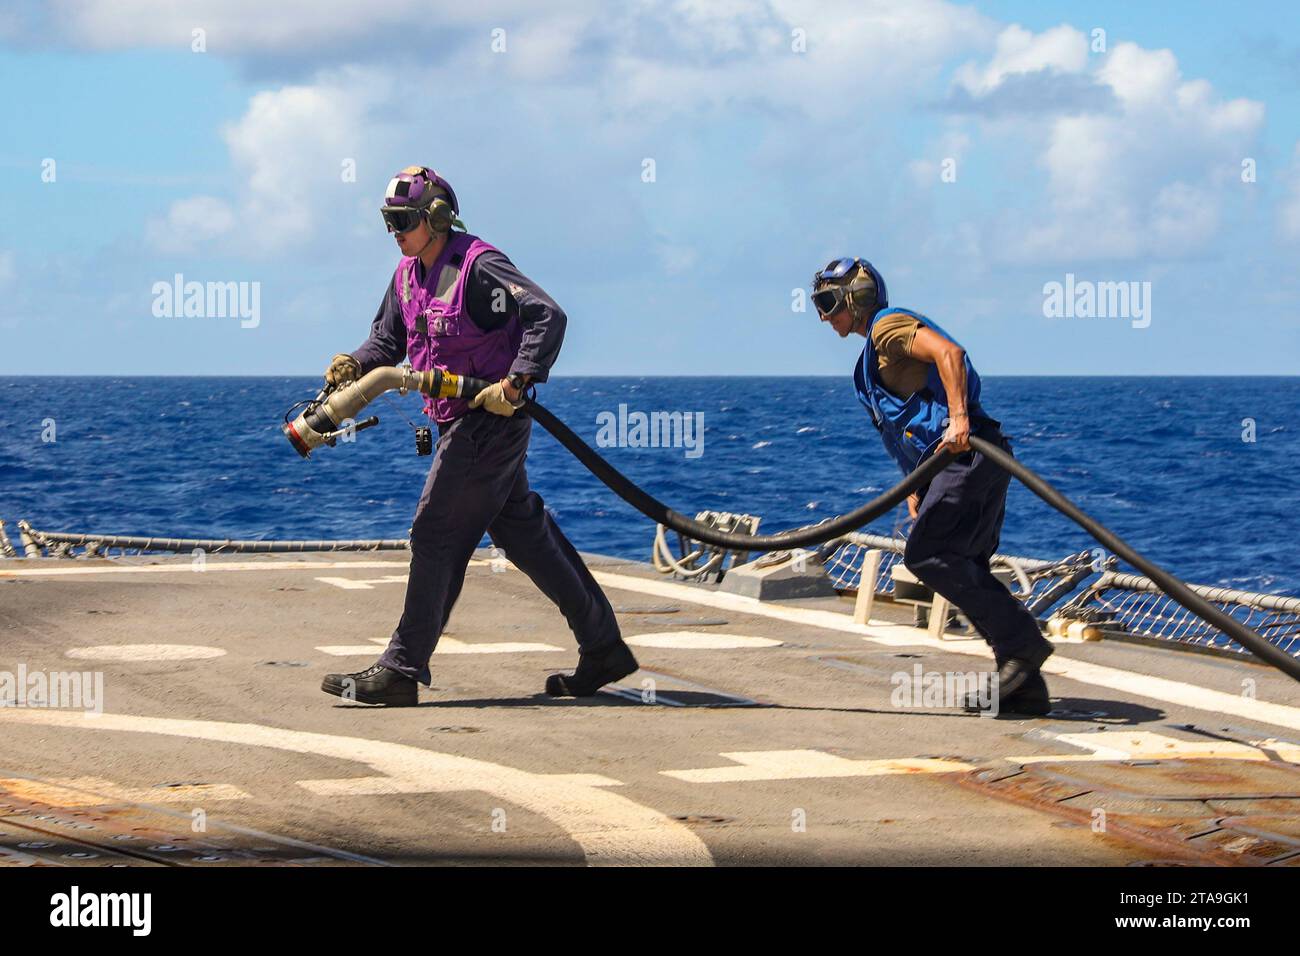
x: 449, y: 645
x: 700, y: 640
x: 349, y: 650
x: 98, y: 792
x: 185, y: 566
x: 1148, y: 745
x: 1108, y: 746
x: 897, y: 635
x: 638, y: 696
x: 446, y: 645
x: 382, y: 786
x: 610, y: 828
x: 808, y: 764
x: 1175, y: 692
x: 362, y: 584
x: 144, y: 652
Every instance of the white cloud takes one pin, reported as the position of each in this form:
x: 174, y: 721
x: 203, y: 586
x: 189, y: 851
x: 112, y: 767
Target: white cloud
x: 189, y: 222
x: 1134, y: 157
x: 288, y: 151
x: 1020, y: 51
x: 643, y: 66
x: 1137, y: 160
x: 850, y: 65
x: 290, y: 146
x: 1142, y: 79
x: 245, y: 27
x: 680, y: 56
x: 1146, y: 175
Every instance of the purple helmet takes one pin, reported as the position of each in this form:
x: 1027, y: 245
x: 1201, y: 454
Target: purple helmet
x: 418, y: 194
x: 417, y: 187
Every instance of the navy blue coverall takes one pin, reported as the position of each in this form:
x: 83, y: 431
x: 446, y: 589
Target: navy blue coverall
x: 478, y: 483
x: 957, y: 529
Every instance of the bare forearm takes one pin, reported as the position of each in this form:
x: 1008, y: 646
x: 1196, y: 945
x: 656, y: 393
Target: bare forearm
x: 952, y: 372
x: 950, y: 359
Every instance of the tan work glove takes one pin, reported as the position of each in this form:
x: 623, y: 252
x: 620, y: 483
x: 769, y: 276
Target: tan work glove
x: 494, y: 399
x: 343, y: 368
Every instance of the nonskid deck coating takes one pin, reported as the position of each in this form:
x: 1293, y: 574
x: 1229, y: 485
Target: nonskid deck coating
x: 753, y: 734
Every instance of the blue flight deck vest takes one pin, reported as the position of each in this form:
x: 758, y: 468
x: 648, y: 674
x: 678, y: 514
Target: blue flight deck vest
x: 911, y: 427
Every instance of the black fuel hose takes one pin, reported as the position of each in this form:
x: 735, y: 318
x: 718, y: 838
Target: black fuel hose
x: 656, y: 510
x: 1173, y: 588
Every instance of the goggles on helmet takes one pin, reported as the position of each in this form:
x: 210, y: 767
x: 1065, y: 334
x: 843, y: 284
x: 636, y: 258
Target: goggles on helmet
x: 836, y: 269
x: 829, y: 300
x: 832, y: 298
x: 401, y: 218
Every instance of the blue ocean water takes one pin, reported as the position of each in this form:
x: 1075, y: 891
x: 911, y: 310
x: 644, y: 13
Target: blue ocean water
x: 1163, y: 461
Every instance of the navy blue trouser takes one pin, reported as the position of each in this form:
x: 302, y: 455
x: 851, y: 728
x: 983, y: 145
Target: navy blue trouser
x: 956, y: 532
x: 477, y: 482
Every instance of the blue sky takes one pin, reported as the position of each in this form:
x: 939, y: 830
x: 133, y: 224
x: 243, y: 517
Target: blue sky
x: 1114, y: 165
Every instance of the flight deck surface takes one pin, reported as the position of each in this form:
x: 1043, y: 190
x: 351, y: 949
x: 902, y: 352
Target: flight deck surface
x: 755, y: 733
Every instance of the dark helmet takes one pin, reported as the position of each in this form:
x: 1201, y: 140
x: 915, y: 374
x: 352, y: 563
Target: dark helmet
x: 853, y: 280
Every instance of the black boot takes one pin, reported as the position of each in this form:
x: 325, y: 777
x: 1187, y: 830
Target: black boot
x: 1032, y: 700
x: 376, y: 684
x: 594, y: 671
x: 1015, y: 672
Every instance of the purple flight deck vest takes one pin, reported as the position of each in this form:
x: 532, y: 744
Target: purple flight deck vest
x: 439, y: 331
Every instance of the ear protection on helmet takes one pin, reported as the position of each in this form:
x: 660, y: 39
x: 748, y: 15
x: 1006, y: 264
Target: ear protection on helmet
x: 439, y: 215
x: 866, y: 294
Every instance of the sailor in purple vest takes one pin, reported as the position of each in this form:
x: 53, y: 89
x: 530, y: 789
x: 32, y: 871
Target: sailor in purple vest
x: 458, y: 304
x: 923, y: 394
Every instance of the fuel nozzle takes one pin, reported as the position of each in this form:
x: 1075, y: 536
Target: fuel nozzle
x: 331, y: 437
x: 301, y: 436
x: 320, y: 421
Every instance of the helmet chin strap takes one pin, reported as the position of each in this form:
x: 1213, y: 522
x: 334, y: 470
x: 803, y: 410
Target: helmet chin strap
x: 432, y: 238
x: 860, y: 322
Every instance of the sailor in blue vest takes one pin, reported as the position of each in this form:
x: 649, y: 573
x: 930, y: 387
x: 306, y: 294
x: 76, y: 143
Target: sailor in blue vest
x: 923, y: 394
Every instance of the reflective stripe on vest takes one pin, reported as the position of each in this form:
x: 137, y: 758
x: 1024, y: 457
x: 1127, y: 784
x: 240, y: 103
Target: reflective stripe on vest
x: 439, y: 330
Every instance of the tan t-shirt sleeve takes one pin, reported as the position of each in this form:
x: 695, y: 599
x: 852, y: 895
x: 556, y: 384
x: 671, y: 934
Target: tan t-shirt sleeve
x: 893, y: 335
x: 900, y: 373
